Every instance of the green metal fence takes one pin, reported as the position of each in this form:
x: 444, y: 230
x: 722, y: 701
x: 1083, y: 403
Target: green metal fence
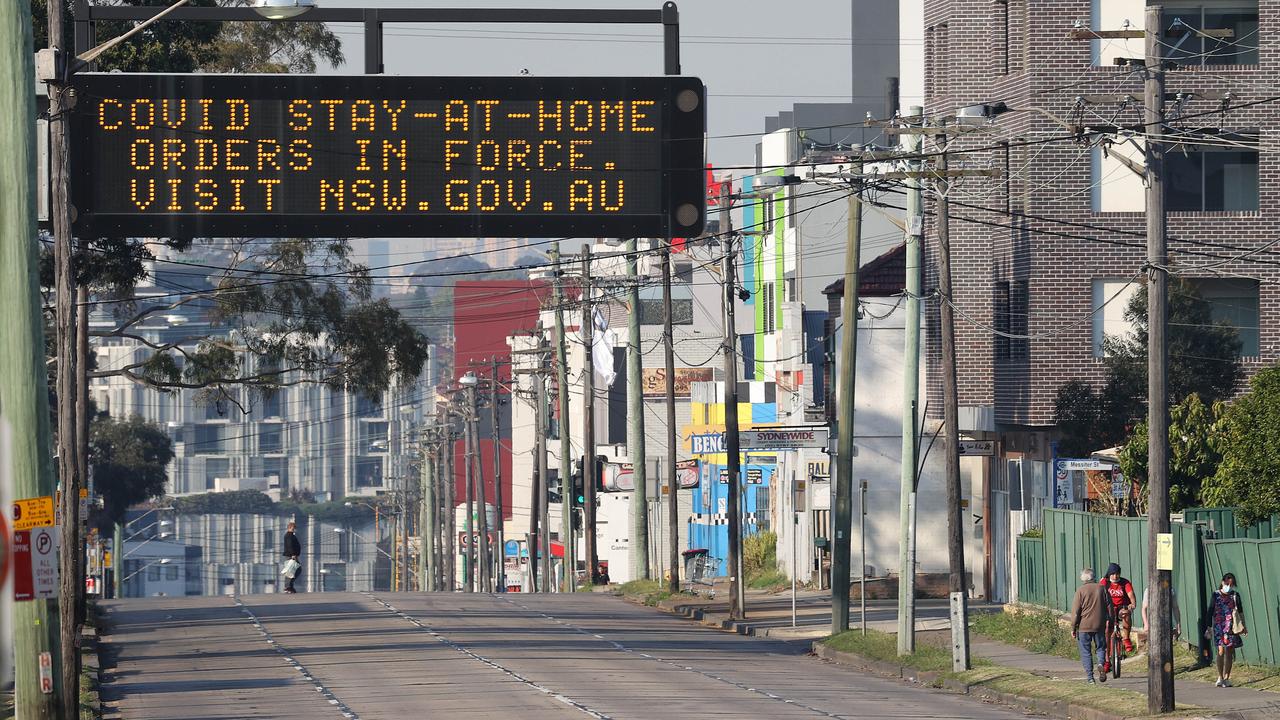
x: 1223, y: 522
x: 1256, y: 565
x: 1049, y: 568
x: 1031, y: 577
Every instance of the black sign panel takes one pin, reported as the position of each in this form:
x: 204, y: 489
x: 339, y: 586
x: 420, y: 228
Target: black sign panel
x: 383, y: 156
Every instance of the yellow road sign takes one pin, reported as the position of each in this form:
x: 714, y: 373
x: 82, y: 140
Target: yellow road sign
x: 33, y: 513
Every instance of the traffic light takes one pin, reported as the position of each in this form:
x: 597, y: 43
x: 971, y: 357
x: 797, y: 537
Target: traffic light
x: 579, y: 489
x: 554, y: 495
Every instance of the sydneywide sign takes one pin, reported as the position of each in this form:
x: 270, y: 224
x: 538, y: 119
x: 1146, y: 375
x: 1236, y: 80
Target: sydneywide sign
x: 784, y: 438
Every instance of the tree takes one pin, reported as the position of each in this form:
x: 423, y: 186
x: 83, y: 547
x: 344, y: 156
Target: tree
x: 1193, y: 456
x: 1248, y: 438
x: 1204, y: 359
x: 130, y: 461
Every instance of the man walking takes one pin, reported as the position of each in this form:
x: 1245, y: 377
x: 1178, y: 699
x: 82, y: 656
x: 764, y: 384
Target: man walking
x: 1089, y: 623
x: 292, y: 550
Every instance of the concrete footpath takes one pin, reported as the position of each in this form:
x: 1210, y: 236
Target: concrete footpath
x: 769, y: 615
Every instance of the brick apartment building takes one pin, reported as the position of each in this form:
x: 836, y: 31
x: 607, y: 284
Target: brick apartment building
x: 1036, y: 251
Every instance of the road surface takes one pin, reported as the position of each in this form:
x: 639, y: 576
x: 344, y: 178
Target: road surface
x: 530, y: 657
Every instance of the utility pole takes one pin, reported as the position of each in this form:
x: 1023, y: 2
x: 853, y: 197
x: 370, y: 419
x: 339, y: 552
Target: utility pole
x: 910, y: 399
x: 450, y: 507
x: 61, y: 102
x: 570, y: 563
x: 539, y: 485
x: 589, y: 420
x: 82, y: 444
x: 635, y: 425
x: 25, y: 442
x: 733, y: 503
x: 495, y: 436
x: 469, y: 565
x: 669, y: 363
x: 484, y: 558
x: 950, y: 420
x: 543, y: 505
x: 842, y: 515
x: 428, y: 532
x: 1160, y: 648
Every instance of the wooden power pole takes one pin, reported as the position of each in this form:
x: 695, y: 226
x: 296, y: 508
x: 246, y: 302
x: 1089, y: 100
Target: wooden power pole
x: 588, y: 420
x: 669, y: 363
x: 569, y: 563
x: 733, y: 470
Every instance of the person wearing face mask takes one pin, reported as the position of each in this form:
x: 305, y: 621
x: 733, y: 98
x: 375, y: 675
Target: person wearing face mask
x: 1226, y: 626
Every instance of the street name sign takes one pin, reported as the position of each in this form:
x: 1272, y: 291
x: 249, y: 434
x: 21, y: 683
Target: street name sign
x: 386, y: 156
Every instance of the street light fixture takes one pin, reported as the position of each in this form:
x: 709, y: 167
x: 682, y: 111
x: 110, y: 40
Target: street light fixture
x: 469, y: 379
x: 282, y: 9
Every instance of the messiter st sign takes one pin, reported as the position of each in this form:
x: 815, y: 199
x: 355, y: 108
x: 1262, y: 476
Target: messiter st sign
x: 374, y: 155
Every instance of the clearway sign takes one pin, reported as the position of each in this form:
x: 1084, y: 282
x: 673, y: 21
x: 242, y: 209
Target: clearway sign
x: 784, y: 438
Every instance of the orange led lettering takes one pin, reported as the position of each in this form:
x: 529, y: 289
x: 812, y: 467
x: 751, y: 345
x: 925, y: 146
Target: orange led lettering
x: 182, y: 112
x: 237, y: 123
x: 619, y: 109
x: 487, y: 107
x: 172, y: 149
x: 638, y: 116
x: 208, y: 199
x: 511, y: 194
x: 299, y: 158
x: 268, y: 152
x: 337, y: 191
x: 495, y: 197
x: 517, y: 152
x: 270, y: 185
x: 206, y: 154
x: 150, y: 193
x: 401, y: 151
x: 236, y: 205
x: 492, y: 145
x: 173, y: 194
x: 574, y: 155
x: 204, y: 114
x: 332, y: 105
x: 231, y: 154
x: 543, y: 115
x: 391, y: 201
x: 449, y: 154
x: 457, y: 111
x: 585, y: 197
x: 463, y: 197
x: 300, y: 114
x: 394, y: 113
x: 604, y: 196
x: 542, y: 154
x: 358, y: 116
x: 364, y: 199
x: 102, y: 114
x: 148, y: 160
x: 364, y: 150
x: 148, y: 120
x: 577, y: 121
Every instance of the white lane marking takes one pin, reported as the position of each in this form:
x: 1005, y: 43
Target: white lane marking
x: 316, y: 684
x: 505, y: 670
x: 707, y: 674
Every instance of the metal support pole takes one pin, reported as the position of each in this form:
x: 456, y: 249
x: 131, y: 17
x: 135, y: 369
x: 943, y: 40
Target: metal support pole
x: 538, y: 488
x: 450, y: 507
x: 635, y: 425
x: 910, y: 399
x: 469, y: 521
x: 484, y: 558
x: 427, y: 530
x: 1160, y: 692
x: 733, y: 470
x: 499, y: 517
x: 862, y: 547
x: 588, y: 421
x: 951, y: 419
x: 569, y: 564
x: 670, y: 39
x: 673, y: 481
x: 372, y: 42
x: 544, y: 502
x: 842, y: 475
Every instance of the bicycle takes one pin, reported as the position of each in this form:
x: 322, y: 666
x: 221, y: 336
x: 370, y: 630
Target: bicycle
x: 1113, y: 643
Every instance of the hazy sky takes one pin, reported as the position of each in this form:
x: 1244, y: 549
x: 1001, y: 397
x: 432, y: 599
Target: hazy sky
x: 756, y: 57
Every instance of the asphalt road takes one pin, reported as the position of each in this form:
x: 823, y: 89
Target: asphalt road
x: 474, y: 656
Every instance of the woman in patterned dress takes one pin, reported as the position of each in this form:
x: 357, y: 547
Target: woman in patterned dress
x: 1222, y: 606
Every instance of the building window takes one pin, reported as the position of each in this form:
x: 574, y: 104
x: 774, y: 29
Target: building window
x: 367, y: 407
x: 214, y: 468
x: 271, y: 405
x: 209, y: 440
x: 651, y: 312
x: 171, y: 572
x: 1204, y: 177
x: 153, y: 572
x: 1019, y: 320
x: 271, y: 438
x: 1001, y: 319
x: 1194, y: 32
x: 368, y: 472
x: 373, y: 437
x: 219, y: 409
x: 277, y: 467
x: 1233, y: 301
x: 268, y: 539
x: 768, y: 296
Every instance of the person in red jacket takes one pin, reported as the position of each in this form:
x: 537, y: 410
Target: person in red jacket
x: 1122, y: 601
